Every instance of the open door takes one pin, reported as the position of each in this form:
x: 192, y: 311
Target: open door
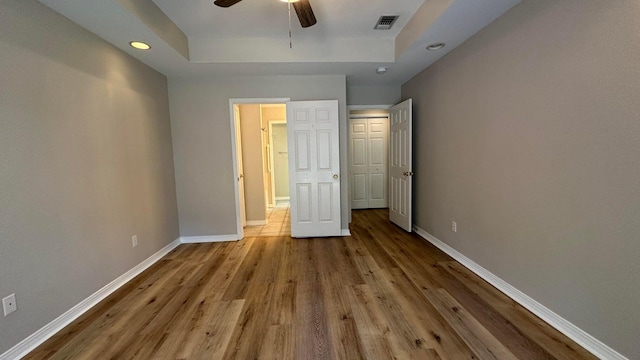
x: 314, y: 168
x: 243, y: 212
x: 400, y: 169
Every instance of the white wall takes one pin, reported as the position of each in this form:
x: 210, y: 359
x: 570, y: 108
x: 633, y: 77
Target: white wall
x: 202, y: 144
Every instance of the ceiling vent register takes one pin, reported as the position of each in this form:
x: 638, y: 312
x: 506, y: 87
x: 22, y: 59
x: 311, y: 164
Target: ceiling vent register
x: 385, y: 22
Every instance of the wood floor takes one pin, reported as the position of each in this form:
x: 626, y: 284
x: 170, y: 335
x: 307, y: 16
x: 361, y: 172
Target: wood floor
x: 379, y: 294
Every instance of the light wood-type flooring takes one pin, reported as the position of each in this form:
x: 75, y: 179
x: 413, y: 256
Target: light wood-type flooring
x: 379, y: 294
x: 278, y: 223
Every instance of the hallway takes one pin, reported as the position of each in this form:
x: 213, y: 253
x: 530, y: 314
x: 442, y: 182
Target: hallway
x: 278, y: 222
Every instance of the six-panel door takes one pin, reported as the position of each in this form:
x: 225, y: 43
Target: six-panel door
x: 314, y: 168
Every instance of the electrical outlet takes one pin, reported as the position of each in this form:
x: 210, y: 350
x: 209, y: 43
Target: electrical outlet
x: 454, y: 226
x: 9, y: 304
x: 134, y: 240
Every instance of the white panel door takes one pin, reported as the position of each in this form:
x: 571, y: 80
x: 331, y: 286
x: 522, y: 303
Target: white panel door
x: 369, y: 163
x: 358, y: 131
x: 377, y: 148
x: 400, y: 169
x: 314, y: 168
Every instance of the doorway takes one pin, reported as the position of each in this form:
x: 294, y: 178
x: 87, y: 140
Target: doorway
x: 261, y: 212
x: 369, y: 158
x: 314, y: 167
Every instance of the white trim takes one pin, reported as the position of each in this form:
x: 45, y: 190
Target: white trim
x: 368, y: 107
x: 590, y: 343
x: 374, y: 116
x: 282, y: 198
x: 256, y: 222
x: 208, y: 239
x: 34, y: 340
x: 236, y: 101
x: 346, y: 232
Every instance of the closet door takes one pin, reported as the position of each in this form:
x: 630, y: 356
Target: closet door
x: 369, y: 163
x: 358, y: 130
x: 378, y: 168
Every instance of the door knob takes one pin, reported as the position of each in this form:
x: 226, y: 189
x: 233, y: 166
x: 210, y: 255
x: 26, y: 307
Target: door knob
x: 408, y: 173
x: 335, y: 176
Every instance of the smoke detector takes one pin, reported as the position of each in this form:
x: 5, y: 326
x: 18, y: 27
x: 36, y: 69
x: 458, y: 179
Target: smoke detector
x: 381, y: 70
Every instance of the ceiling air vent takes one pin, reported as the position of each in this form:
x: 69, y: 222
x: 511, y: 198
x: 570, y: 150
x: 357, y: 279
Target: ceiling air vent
x: 385, y: 22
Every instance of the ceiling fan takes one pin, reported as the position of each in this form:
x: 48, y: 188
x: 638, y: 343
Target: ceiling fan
x: 302, y: 7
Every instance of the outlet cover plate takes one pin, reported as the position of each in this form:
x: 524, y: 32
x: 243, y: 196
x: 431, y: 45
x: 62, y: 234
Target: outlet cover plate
x: 134, y: 240
x: 9, y: 304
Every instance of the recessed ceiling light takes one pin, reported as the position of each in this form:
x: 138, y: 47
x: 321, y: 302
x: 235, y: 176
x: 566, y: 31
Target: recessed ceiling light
x: 436, y: 46
x: 381, y: 70
x: 140, y: 45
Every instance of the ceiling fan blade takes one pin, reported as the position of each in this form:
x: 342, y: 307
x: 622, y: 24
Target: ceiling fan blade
x: 305, y: 13
x: 226, y: 3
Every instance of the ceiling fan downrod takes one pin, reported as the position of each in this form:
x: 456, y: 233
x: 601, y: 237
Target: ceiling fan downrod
x: 290, y: 41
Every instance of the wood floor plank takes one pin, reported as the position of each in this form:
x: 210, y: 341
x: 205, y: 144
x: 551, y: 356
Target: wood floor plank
x: 381, y: 293
x: 336, y: 276
x: 278, y: 344
x: 527, y: 324
x: 313, y: 340
x: 372, y: 328
x: 479, y: 339
x: 427, y: 321
x: 514, y: 339
x: 404, y: 335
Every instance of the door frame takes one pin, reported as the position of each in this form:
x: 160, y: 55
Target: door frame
x: 384, y: 107
x: 234, y: 155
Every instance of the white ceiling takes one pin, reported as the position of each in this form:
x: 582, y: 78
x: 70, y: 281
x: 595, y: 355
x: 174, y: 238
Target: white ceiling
x: 195, y: 37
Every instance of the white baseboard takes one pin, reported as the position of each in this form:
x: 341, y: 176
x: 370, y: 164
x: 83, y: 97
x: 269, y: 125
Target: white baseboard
x: 30, y: 343
x: 207, y: 239
x: 346, y: 232
x: 256, y: 222
x: 593, y: 345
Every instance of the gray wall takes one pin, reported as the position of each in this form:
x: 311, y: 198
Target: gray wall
x: 373, y: 95
x: 202, y: 141
x: 528, y: 135
x: 86, y: 162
